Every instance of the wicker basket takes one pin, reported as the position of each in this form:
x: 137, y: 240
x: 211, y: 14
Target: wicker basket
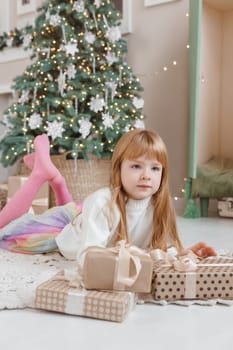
x: 82, y: 177
x: 3, y: 195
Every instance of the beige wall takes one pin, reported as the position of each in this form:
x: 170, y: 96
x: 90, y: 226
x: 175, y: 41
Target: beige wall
x: 216, y: 96
x: 227, y: 89
x: 210, y: 84
x: 159, y: 37
x: 9, y: 70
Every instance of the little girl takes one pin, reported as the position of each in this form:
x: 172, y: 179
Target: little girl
x: 136, y: 207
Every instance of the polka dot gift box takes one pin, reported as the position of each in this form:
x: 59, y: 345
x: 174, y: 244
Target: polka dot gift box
x: 212, y: 279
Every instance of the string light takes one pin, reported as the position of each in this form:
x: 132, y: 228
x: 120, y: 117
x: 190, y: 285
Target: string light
x: 84, y: 66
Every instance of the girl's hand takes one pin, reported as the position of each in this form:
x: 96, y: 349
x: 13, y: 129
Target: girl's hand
x: 202, y: 250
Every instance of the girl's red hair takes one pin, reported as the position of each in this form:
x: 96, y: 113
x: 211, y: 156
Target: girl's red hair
x: 134, y: 144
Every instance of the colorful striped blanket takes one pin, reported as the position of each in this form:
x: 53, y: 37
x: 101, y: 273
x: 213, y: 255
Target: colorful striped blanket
x: 34, y: 234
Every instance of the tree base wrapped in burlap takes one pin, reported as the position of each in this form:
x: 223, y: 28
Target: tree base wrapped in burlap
x: 3, y: 195
x: 82, y: 177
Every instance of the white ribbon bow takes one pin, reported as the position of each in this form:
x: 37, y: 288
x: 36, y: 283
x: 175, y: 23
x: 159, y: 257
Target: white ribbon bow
x: 122, y: 270
x: 182, y: 263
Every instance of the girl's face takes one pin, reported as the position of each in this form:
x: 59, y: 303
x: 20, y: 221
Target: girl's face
x: 141, y: 177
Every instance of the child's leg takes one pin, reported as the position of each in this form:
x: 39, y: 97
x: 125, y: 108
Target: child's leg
x: 43, y: 170
x: 58, y: 183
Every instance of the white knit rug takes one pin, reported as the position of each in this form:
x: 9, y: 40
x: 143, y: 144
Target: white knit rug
x: 20, y: 274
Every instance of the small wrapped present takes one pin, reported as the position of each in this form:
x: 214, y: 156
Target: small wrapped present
x: 40, y: 203
x: 225, y: 207
x: 58, y: 294
x: 184, y: 278
x: 118, y: 268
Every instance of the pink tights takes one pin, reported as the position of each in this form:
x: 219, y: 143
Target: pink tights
x: 42, y: 170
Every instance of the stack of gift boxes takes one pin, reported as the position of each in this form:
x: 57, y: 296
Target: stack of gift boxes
x: 112, y: 277
x: 111, y: 281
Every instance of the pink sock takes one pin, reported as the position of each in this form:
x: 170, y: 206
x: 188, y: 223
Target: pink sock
x: 20, y: 203
x: 43, y: 170
x: 29, y: 160
x: 22, y: 200
x: 61, y: 191
x: 57, y: 183
x: 43, y: 166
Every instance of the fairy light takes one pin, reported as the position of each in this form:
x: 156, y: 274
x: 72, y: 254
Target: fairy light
x: 84, y: 66
x: 202, y: 79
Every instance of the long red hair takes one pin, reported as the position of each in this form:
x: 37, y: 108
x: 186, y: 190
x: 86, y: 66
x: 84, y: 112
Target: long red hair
x: 134, y: 144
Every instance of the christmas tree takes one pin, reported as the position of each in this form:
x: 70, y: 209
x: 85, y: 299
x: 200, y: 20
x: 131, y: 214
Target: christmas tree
x: 78, y: 88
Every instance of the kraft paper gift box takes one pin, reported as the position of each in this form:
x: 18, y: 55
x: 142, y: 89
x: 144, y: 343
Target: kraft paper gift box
x: 57, y: 295
x: 212, y: 279
x: 39, y: 204
x: 116, y: 269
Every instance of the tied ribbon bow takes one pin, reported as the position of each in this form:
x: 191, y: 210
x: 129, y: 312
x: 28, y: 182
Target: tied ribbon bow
x: 125, y: 260
x: 181, y: 263
x: 72, y: 276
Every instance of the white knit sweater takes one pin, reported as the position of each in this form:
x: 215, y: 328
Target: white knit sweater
x: 93, y: 226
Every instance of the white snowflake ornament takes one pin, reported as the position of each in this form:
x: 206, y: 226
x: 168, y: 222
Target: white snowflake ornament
x: 54, y: 20
x: 139, y: 124
x: 89, y: 37
x: 24, y: 97
x: 114, y: 34
x: 55, y: 129
x: 27, y: 40
x: 108, y: 121
x: 79, y: 6
x: 97, y: 104
x: 138, y: 102
x: 35, y: 121
x: 71, y: 71
x: 71, y: 48
x: 111, y: 58
x: 85, y: 127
